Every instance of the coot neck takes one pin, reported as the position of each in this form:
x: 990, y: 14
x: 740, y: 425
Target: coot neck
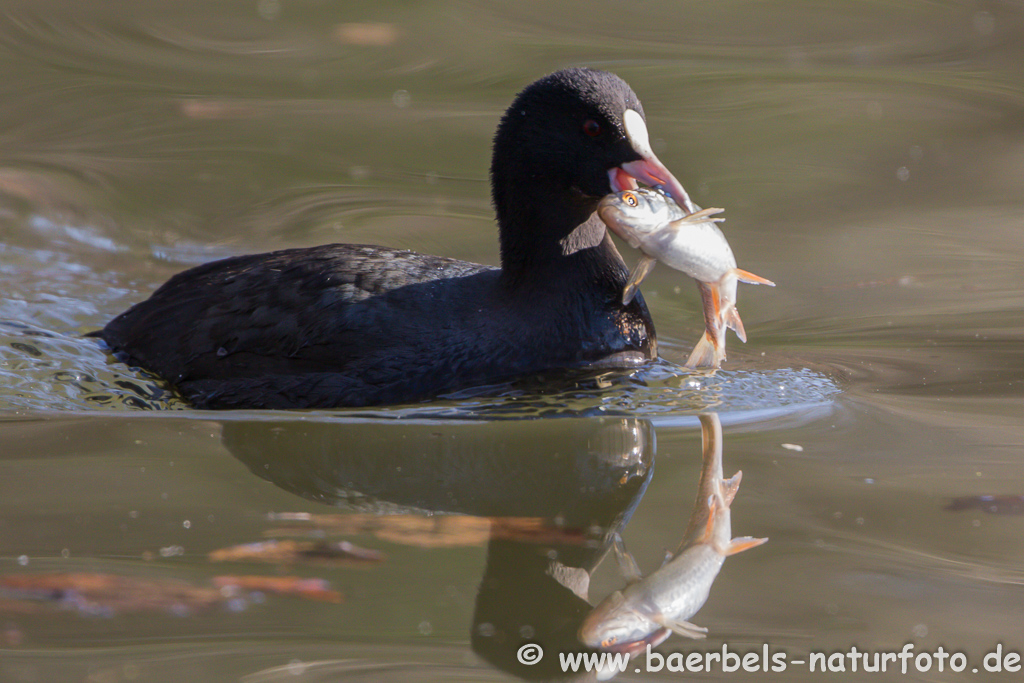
x: 556, y: 236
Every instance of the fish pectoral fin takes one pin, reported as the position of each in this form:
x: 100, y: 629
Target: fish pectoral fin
x: 704, y: 215
x: 684, y: 628
x: 738, y: 545
x: 750, y: 278
x: 730, y: 486
x: 641, y: 270
x: 627, y: 563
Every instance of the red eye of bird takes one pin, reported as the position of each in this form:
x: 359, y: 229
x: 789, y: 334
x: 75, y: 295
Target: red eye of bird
x: 592, y: 128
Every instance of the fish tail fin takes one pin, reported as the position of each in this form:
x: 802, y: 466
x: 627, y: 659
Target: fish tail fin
x: 730, y: 486
x: 750, y: 278
x: 705, y: 354
x: 710, y: 350
x: 738, y: 545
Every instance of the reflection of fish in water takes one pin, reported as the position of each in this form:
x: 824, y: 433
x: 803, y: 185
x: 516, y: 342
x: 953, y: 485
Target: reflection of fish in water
x: 652, y: 222
x: 648, y: 609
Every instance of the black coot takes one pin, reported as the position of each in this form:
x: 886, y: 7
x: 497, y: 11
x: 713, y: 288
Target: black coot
x: 356, y: 325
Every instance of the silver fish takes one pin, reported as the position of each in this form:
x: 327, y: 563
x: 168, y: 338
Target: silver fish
x: 649, y: 220
x: 648, y: 609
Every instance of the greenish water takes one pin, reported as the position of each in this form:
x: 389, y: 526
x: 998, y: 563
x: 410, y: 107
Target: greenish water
x: 870, y: 157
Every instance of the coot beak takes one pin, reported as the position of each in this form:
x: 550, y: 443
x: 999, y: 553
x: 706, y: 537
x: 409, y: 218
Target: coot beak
x: 647, y: 169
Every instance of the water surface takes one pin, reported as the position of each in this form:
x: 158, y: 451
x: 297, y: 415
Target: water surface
x: 870, y: 157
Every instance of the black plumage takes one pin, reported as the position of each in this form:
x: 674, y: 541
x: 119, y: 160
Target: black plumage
x: 353, y: 325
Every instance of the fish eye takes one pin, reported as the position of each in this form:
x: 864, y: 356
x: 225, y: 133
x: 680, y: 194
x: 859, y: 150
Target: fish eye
x: 608, y: 642
x: 630, y: 199
x: 592, y: 128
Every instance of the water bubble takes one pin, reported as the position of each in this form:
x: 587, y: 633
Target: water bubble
x: 401, y: 99
x: 23, y: 560
x: 903, y: 174
x: 425, y: 628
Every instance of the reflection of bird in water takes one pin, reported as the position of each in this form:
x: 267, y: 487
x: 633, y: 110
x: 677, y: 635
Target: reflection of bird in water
x: 540, y: 493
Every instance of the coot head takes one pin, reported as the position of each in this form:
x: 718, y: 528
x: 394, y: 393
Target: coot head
x: 566, y: 141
